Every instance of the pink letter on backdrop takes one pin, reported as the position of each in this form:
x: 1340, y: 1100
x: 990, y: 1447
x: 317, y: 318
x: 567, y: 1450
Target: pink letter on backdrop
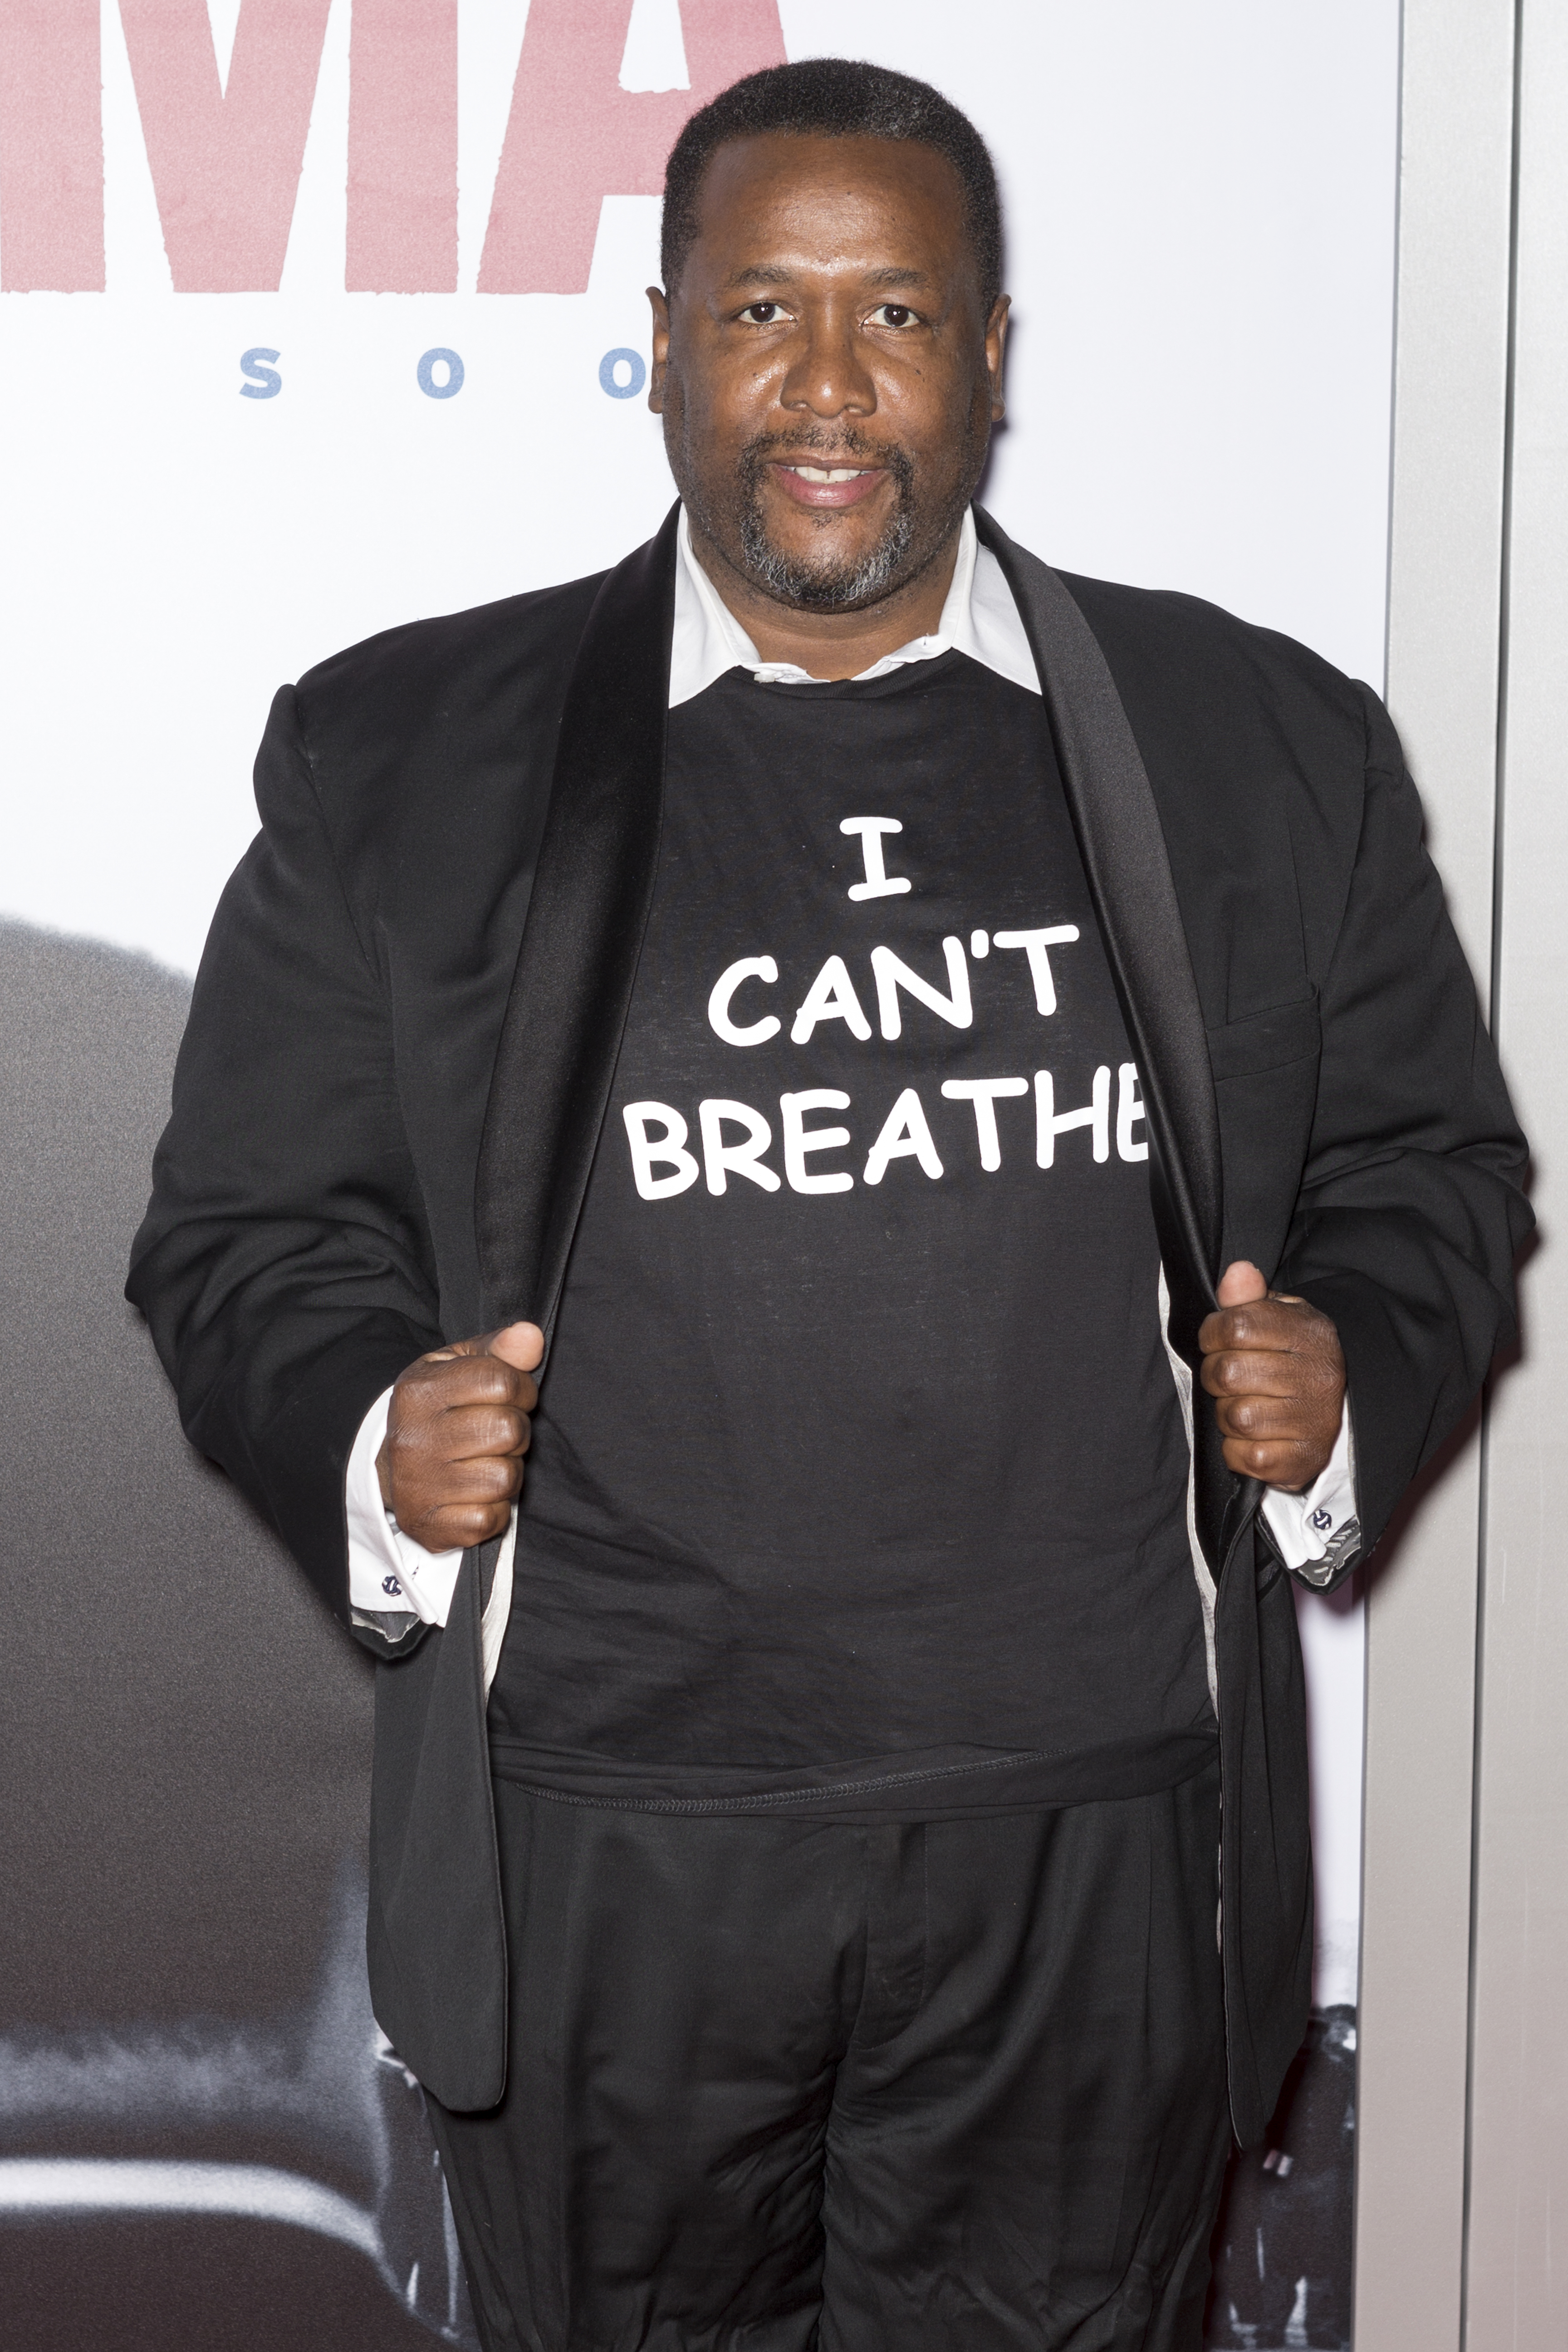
x: 51, y: 148
x: 403, y: 147
x: 226, y: 166
x: 575, y: 136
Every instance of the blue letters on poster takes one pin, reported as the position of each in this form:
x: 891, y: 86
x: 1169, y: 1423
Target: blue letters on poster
x: 622, y: 374
x: 637, y: 375
x: 427, y: 366
x: 266, y: 384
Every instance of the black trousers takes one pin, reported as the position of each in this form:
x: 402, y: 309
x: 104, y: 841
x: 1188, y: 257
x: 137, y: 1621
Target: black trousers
x: 778, y: 2085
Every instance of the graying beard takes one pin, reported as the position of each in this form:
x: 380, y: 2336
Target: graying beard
x: 824, y: 591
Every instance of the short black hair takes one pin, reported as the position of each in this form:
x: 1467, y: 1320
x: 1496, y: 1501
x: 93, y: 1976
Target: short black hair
x: 834, y: 98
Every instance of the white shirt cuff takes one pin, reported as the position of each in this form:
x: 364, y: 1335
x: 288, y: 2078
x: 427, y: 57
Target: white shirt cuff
x: 1315, y: 1532
x: 389, y: 1573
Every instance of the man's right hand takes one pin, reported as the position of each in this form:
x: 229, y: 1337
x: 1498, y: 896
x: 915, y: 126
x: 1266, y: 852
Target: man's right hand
x: 457, y: 1428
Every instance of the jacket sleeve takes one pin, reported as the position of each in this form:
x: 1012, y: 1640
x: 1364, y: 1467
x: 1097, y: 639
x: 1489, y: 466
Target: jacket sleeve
x: 284, y: 1264
x: 1410, y: 1209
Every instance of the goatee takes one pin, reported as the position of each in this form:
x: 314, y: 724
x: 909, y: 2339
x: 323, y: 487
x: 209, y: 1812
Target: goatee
x: 828, y: 585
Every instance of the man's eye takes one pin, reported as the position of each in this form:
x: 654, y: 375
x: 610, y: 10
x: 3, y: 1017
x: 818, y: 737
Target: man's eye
x: 762, y: 314
x: 892, y: 314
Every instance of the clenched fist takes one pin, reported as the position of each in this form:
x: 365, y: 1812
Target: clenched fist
x: 1275, y: 1365
x: 451, y: 1464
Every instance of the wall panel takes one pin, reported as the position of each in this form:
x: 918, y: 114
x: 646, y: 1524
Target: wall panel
x: 1518, y: 2298
x: 1444, y: 605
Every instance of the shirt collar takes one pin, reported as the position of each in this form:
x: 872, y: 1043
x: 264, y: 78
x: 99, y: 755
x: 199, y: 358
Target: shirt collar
x: 979, y: 618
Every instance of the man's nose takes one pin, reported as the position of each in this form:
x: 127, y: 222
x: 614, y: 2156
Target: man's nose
x: 829, y: 376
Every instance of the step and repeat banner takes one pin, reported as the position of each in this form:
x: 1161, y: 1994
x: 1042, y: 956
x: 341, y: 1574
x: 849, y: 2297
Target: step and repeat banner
x: 317, y: 315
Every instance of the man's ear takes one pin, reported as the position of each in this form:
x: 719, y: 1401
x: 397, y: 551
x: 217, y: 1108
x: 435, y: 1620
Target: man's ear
x: 995, y: 355
x: 660, y: 305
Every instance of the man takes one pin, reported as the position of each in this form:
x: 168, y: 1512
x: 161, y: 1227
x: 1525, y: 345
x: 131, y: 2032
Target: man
x: 871, y: 1014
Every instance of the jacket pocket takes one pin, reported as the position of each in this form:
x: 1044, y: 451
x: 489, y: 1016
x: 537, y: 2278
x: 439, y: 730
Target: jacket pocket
x: 1266, y: 1041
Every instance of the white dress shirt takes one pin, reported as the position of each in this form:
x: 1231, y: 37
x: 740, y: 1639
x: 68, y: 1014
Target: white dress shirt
x: 393, y: 1578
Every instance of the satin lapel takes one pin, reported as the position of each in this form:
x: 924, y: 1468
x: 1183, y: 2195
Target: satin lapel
x: 1123, y: 849
x: 584, y: 932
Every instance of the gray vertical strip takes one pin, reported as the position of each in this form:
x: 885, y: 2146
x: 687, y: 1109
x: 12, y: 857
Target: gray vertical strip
x: 1518, y: 2281
x: 1495, y: 1001
x: 1445, y: 616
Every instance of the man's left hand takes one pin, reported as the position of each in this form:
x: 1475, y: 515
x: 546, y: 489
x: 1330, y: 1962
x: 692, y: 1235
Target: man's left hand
x: 1275, y: 1365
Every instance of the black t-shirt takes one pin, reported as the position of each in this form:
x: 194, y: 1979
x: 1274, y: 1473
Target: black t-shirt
x: 858, y: 1477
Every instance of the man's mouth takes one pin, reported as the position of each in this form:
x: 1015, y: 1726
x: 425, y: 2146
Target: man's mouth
x: 826, y: 485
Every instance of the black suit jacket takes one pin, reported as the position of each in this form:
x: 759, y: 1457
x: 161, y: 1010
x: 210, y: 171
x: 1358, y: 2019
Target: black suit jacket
x: 402, y: 1044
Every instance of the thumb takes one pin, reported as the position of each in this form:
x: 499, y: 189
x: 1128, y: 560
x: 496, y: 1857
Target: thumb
x: 521, y: 1345
x: 1240, y: 1283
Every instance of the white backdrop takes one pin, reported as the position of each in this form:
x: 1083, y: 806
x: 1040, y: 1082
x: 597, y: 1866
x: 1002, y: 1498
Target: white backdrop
x: 1200, y: 209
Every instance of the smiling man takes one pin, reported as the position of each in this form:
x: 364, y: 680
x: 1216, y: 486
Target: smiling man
x: 868, y: 1032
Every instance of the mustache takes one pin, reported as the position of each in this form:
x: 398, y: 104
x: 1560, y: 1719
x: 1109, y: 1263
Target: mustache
x: 844, y: 447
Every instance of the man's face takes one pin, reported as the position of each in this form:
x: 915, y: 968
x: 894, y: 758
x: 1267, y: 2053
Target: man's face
x: 826, y: 378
